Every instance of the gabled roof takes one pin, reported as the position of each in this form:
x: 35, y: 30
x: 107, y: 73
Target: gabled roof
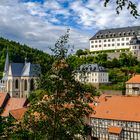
x: 118, y: 108
x: 3, y: 97
x: 17, y: 68
x: 18, y: 113
x: 91, y: 68
x: 116, y: 32
x: 12, y: 104
x: 114, y: 130
x: 31, y: 70
x: 25, y: 69
x: 134, y: 80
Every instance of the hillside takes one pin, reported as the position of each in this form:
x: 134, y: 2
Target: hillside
x: 18, y: 52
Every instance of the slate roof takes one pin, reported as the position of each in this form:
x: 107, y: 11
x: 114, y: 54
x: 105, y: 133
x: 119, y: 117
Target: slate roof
x: 25, y: 69
x: 91, y: 68
x: 135, y: 41
x: 31, y: 70
x: 117, y: 32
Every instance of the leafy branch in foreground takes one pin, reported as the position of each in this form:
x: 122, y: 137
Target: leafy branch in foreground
x: 120, y: 4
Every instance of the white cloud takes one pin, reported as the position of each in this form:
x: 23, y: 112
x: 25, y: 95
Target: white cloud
x: 38, y: 25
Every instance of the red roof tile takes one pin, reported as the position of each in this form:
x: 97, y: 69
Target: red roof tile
x: 12, y: 104
x: 119, y: 108
x: 114, y: 129
x: 18, y: 113
x: 2, y: 98
x: 134, y: 79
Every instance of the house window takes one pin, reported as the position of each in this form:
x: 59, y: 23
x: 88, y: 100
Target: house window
x: 122, y: 44
x: 104, y: 40
x: 16, y: 84
x: 25, y: 85
x: 118, y: 39
x: 92, y: 46
x: 92, y: 41
x: 99, y: 40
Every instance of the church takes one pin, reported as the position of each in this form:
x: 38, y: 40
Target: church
x: 19, y: 79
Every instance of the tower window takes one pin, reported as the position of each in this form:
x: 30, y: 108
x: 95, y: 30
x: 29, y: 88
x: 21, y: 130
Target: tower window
x: 32, y: 84
x: 25, y: 85
x: 16, y: 84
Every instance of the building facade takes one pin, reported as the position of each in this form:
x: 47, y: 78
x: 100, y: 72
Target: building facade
x: 116, y: 118
x: 114, y: 39
x: 92, y: 73
x: 133, y: 85
x: 19, y: 79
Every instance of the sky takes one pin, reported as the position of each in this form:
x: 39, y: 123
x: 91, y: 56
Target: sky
x: 39, y: 23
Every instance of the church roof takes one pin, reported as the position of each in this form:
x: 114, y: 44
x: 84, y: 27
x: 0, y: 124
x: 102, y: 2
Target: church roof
x: 25, y: 69
x: 31, y: 69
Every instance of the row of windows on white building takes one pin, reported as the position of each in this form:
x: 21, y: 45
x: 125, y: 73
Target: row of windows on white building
x: 110, y: 45
x: 110, y: 40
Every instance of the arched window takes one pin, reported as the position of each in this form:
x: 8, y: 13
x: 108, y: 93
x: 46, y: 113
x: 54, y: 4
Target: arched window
x: 32, y: 84
x: 25, y: 85
x: 16, y: 84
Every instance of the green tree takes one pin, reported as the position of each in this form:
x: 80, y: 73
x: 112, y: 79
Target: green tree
x: 59, y: 114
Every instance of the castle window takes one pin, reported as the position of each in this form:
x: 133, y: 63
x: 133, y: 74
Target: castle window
x: 92, y: 41
x: 118, y: 39
x: 25, y: 85
x: 127, y: 38
x: 99, y: 40
x: 16, y: 84
x: 112, y: 39
x: 105, y: 40
x: 92, y: 46
x: 122, y: 44
x: 122, y: 39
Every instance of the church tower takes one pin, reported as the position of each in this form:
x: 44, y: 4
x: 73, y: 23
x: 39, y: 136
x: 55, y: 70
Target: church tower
x: 6, y: 66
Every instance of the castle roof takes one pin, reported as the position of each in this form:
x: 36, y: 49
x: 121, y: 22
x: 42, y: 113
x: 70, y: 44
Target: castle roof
x: 125, y: 108
x: 116, y: 32
x: 91, y: 68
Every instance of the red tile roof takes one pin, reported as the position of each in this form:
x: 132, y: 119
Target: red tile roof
x: 18, y: 113
x: 2, y: 98
x: 114, y: 129
x: 134, y: 79
x: 119, y: 108
x: 12, y: 104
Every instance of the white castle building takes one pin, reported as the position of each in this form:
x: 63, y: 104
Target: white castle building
x: 126, y: 38
x: 19, y: 79
x: 92, y: 73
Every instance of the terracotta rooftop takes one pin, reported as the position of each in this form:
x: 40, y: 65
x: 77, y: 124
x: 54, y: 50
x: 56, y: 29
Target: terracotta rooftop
x: 118, y: 108
x: 12, y: 104
x: 18, y: 113
x: 114, y: 129
x: 3, y: 98
x: 134, y: 79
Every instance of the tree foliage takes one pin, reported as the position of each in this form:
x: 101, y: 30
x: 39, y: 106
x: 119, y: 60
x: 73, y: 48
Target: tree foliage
x: 120, y: 4
x: 61, y: 110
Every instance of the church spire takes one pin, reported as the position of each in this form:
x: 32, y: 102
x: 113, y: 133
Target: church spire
x: 6, y: 66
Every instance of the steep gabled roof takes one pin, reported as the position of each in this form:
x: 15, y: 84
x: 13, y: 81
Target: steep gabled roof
x: 12, y: 104
x: 31, y: 70
x: 18, y: 113
x: 17, y: 68
x: 134, y: 80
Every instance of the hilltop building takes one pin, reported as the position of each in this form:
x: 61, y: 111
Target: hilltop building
x: 116, y: 118
x: 92, y: 73
x: 126, y: 38
x: 133, y: 85
x: 19, y: 79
